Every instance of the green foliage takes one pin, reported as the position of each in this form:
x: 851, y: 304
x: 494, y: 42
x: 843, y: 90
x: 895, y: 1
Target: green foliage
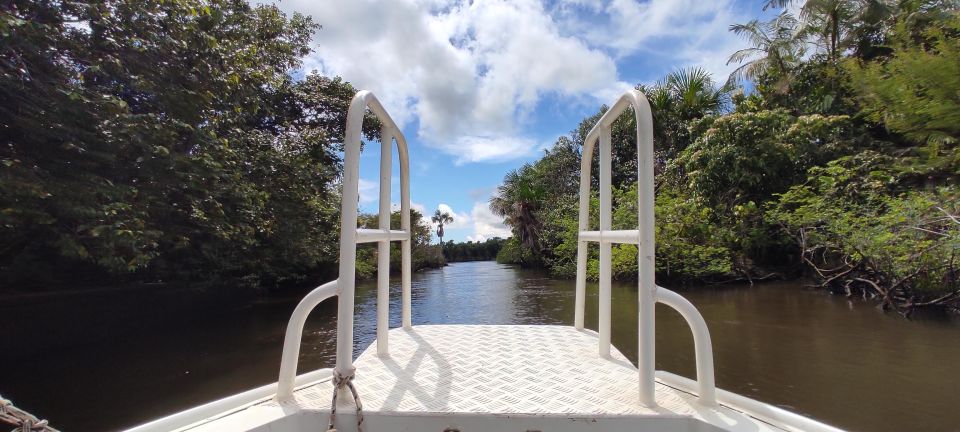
x: 690, y: 247
x: 560, y: 234
x: 691, y: 244
x: 799, y: 160
x: 681, y: 97
x: 169, y: 140
x: 855, y: 211
x: 914, y: 91
x: 511, y: 252
x: 775, y: 49
x: 473, y: 250
x: 813, y: 87
x: 520, y: 199
x: 747, y: 156
x: 739, y: 157
x: 165, y: 140
x: 423, y: 255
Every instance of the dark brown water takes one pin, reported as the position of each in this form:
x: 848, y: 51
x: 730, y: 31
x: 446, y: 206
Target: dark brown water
x: 838, y: 361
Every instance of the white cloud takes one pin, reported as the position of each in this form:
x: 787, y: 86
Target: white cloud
x: 462, y: 69
x: 492, y: 149
x: 416, y: 206
x: 369, y: 191
x: 424, y: 216
x: 460, y: 219
x: 486, y: 224
x: 470, y: 73
x: 689, y: 32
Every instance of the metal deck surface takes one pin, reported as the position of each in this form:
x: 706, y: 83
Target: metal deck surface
x: 504, y: 369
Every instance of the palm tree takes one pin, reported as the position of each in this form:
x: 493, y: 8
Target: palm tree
x: 684, y: 95
x: 517, y: 201
x: 776, y: 48
x: 838, y: 25
x: 440, y: 218
x: 695, y: 94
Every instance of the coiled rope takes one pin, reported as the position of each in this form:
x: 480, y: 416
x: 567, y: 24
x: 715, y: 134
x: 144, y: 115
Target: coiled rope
x: 21, y: 420
x: 340, y: 382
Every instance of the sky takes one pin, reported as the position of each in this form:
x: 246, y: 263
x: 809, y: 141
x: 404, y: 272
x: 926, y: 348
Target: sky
x: 481, y: 87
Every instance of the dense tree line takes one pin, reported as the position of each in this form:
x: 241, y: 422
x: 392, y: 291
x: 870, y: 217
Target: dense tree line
x: 161, y: 141
x: 840, y: 160
x: 486, y: 250
x: 422, y: 254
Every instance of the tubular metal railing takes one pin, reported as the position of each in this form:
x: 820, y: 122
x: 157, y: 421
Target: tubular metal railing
x: 648, y: 294
x: 350, y: 236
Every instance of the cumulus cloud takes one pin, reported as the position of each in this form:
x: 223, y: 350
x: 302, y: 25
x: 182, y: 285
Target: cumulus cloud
x: 424, y: 216
x: 492, y: 149
x: 369, y: 191
x: 466, y: 71
x: 486, y: 224
x: 688, y: 32
x: 469, y: 73
x: 460, y: 219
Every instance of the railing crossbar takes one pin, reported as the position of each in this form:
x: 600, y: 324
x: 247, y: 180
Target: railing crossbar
x: 611, y: 236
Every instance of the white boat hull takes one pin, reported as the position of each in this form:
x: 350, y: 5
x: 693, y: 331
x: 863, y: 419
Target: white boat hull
x: 493, y: 378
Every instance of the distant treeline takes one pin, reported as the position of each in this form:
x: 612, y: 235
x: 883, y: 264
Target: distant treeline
x: 145, y: 141
x: 840, y: 160
x: 473, y: 251
x: 423, y: 254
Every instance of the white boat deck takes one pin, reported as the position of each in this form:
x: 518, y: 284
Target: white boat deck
x: 504, y: 370
x: 510, y: 369
x: 484, y: 378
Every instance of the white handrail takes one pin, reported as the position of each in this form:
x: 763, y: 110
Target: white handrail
x: 291, y: 340
x: 367, y: 235
x: 648, y: 293
x: 646, y: 298
x: 349, y: 234
x: 702, y: 345
x: 611, y: 236
x: 345, y: 284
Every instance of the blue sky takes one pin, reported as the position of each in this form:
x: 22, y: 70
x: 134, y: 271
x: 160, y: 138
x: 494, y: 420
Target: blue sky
x: 482, y: 87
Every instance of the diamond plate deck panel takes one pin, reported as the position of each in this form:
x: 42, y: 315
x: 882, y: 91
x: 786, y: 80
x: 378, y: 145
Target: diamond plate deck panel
x: 505, y: 369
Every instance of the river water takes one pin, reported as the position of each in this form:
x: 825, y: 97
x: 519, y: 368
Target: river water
x: 840, y: 361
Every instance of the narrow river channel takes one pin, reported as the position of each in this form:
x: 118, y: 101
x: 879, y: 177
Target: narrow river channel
x: 836, y: 360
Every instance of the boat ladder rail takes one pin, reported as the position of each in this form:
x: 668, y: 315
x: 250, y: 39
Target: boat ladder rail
x: 491, y: 377
x: 643, y: 237
x: 344, y: 286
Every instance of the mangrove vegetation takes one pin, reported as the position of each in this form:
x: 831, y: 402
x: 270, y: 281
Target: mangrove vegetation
x: 831, y: 152
x: 181, y: 141
x: 168, y: 141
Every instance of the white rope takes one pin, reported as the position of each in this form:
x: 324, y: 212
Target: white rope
x: 21, y: 420
x: 340, y: 382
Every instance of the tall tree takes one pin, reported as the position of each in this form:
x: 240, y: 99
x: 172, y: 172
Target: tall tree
x: 517, y: 201
x: 838, y: 25
x: 680, y: 97
x: 153, y: 140
x: 776, y: 48
x: 914, y: 91
x: 441, y: 218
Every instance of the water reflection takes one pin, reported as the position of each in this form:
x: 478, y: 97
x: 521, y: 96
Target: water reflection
x: 837, y: 360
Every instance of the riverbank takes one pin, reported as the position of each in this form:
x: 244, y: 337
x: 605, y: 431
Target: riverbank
x: 836, y: 359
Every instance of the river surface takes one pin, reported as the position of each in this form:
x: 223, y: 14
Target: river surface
x: 839, y: 361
